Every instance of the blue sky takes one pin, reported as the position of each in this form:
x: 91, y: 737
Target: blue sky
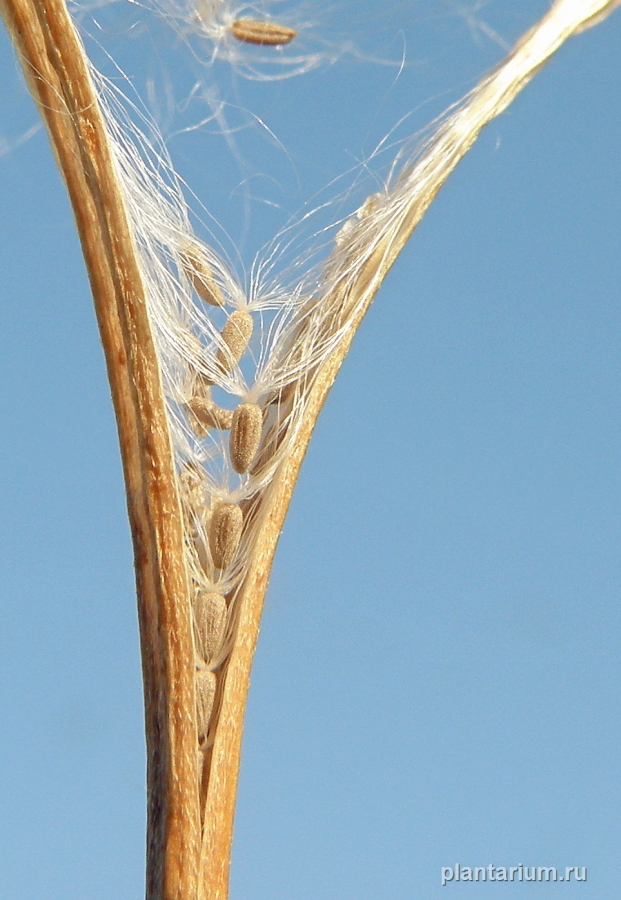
x: 437, y: 679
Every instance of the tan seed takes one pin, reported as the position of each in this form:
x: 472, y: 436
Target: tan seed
x: 221, y: 418
x: 253, y: 31
x: 225, y: 527
x: 205, y: 696
x: 235, y: 335
x: 192, y: 484
x: 245, y: 435
x: 196, y: 408
x: 209, y: 623
x: 206, y: 414
x: 201, y: 387
x: 199, y: 272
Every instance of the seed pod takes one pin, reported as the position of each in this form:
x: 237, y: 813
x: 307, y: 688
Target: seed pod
x: 225, y: 527
x: 205, y: 696
x: 205, y: 414
x: 209, y: 623
x: 235, y: 334
x: 253, y: 31
x: 199, y: 272
x: 245, y: 435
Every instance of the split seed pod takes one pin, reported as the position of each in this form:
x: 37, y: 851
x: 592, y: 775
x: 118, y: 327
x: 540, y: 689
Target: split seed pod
x: 253, y: 31
x: 209, y: 623
x: 245, y: 435
x: 199, y: 272
x: 225, y: 528
x: 205, y: 696
x: 235, y: 335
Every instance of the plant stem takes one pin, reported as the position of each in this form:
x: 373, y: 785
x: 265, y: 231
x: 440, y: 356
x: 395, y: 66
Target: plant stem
x: 58, y: 75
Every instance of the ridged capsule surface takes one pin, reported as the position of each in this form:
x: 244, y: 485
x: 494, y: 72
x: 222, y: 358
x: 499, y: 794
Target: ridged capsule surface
x: 205, y: 696
x: 254, y: 31
x: 225, y: 528
x: 206, y: 414
x: 236, y: 333
x: 209, y: 623
x: 245, y: 436
x: 199, y: 272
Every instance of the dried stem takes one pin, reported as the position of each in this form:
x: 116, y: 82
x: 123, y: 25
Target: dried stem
x: 178, y: 866
x: 57, y: 72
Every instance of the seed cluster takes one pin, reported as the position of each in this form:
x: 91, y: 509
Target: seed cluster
x: 215, y: 532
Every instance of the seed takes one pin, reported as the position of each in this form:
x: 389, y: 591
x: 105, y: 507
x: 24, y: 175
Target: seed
x: 344, y: 232
x: 220, y: 418
x: 196, y: 408
x: 245, y: 435
x: 205, y: 414
x: 235, y: 335
x: 205, y: 696
x: 192, y: 347
x: 201, y: 386
x: 192, y: 484
x: 225, y: 529
x: 283, y: 395
x: 199, y: 272
x: 209, y: 623
x: 253, y: 31
x: 369, y: 206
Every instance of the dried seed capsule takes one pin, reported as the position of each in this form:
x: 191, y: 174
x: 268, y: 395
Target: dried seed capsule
x: 209, y: 623
x: 205, y: 696
x: 235, y: 334
x: 206, y: 414
x: 245, y: 435
x: 225, y: 527
x: 253, y: 31
x: 199, y: 272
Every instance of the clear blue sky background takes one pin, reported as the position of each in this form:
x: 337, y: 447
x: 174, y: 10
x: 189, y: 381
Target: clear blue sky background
x: 438, y: 674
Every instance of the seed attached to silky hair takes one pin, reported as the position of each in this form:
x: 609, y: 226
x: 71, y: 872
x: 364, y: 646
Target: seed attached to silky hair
x: 199, y: 272
x: 245, y: 435
x: 209, y: 623
x: 253, y: 31
x: 205, y: 696
x: 235, y: 335
x: 192, y: 484
x: 201, y: 386
x: 225, y: 528
x: 206, y: 414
